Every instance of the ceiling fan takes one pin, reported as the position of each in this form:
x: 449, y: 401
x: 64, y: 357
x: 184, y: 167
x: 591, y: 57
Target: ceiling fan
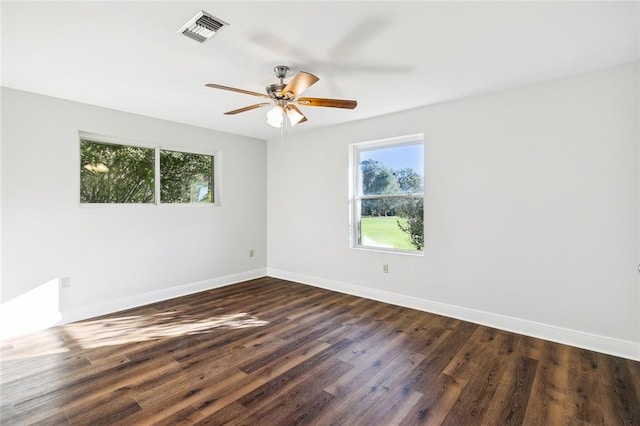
x: 284, y: 98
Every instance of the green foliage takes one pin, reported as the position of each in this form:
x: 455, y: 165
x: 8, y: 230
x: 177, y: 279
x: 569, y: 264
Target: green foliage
x: 185, y: 178
x: 116, y: 173
x: 408, y: 180
x: 412, y: 212
x: 377, y: 179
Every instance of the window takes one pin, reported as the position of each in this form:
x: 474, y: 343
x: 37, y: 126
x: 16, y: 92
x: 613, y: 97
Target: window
x: 388, y: 194
x: 112, y: 173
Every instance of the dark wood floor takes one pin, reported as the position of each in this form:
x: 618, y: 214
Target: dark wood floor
x: 272, y: 352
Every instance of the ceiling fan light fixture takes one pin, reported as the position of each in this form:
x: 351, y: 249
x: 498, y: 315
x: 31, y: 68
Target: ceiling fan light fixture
x: 294, y: 116
x: 275, y: 116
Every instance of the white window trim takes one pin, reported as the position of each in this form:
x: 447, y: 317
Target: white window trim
x: 115, y: 140
x: 355, y: 188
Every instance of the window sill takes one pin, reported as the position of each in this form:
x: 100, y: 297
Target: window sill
x: 145, y: 205
x: 390, y: 251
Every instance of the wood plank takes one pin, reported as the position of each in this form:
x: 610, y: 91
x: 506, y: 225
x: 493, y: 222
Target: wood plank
x: 298, y: 397
x: 83, y: 391
x: 315, y: 365
x: 104, y: 411
x: 232, y: 390
x: 510, y: 401
x: 618, y: 380
x: 233, y: 414
x: 374, y: 391
x: 548, y: 401
x: 444, y: 389
x: 583, y: 383
x: 477, y: 394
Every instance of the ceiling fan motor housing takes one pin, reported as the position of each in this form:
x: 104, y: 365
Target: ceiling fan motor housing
x: 275, y: 90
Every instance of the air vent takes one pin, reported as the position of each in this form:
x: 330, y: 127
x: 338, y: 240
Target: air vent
x: 202, y: 27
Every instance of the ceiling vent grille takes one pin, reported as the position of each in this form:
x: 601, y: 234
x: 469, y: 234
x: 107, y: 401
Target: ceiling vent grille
x: 202, y: 27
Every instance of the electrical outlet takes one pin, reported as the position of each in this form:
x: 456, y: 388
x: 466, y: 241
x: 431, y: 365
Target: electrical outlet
x: 385, y: 268
x: 250, y: 253
x: 65, y: 282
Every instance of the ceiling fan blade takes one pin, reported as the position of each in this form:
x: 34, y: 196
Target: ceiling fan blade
x: 301, y: 82
x: 331, y: 103
x: 233, y: 89
x: 247, y: 108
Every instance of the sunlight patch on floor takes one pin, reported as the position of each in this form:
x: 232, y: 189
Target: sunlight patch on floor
x: 49, y: 343
x: 137, y: 328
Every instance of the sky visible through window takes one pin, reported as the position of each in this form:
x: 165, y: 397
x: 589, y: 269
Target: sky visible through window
x: 398, y: 157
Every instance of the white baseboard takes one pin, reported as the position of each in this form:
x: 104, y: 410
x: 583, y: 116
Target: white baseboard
x: 617, y: 347
x: 141, y: 299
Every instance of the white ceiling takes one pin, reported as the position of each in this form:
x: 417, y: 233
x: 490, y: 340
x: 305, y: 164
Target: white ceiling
x: 390, y: 56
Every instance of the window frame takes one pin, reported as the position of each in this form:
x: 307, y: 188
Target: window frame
x: 113, y: 140
x: 356, y: 194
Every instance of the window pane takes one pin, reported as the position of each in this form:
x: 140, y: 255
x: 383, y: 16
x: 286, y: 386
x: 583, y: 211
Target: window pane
x: 116, y: 173
x: 396, y: 223
x: 392, y: 170
x: 186, y: 178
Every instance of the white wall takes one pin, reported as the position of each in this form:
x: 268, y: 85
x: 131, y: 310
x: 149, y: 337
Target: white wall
x: 119, y: 255
x: 531, y: 210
